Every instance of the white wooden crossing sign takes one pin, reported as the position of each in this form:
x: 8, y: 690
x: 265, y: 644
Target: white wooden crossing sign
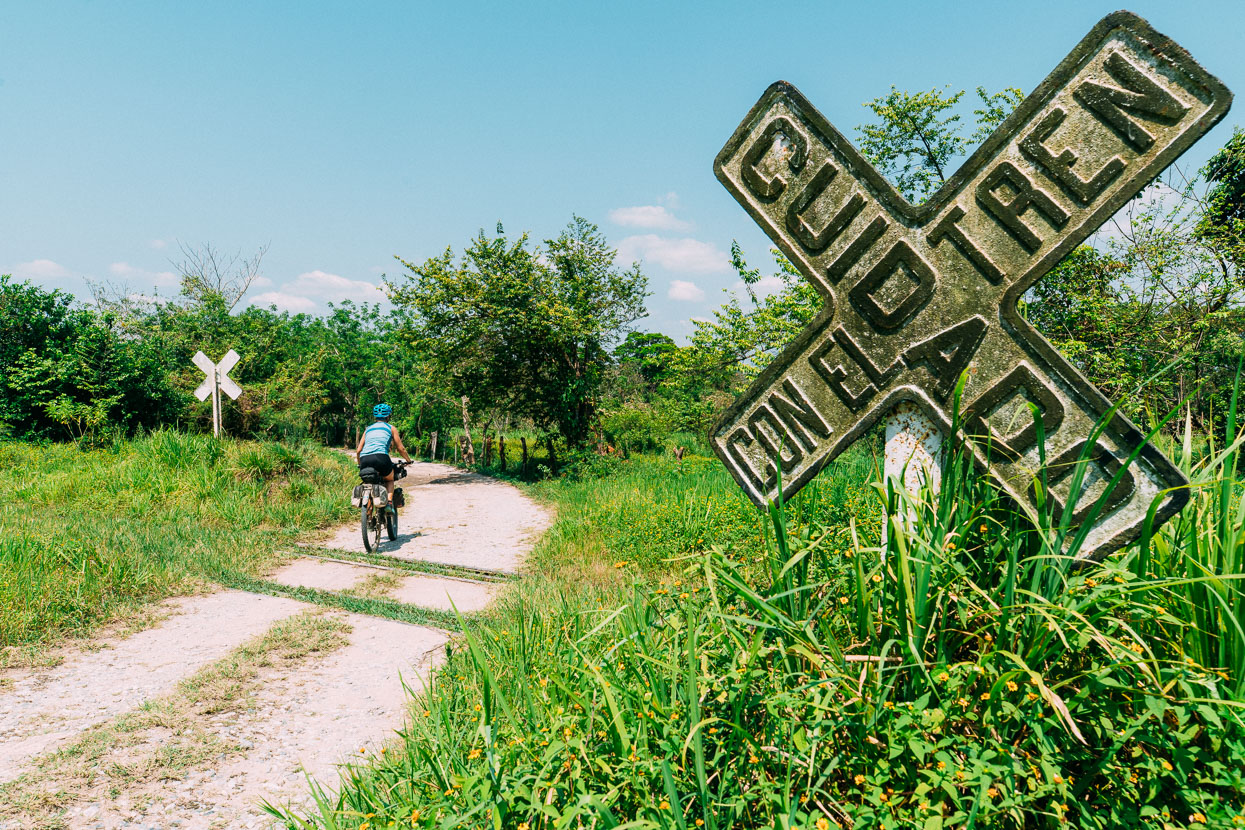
x: 217, y: 380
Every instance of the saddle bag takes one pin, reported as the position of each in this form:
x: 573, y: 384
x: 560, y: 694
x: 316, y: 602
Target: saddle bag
x: 370, y: 475
x: 380, y: 496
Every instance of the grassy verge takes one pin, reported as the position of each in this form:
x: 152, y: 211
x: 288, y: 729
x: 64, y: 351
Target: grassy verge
x: 89, y: 535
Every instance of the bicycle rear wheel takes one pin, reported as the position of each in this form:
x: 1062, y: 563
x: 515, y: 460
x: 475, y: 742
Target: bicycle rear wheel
x: 371, y: 522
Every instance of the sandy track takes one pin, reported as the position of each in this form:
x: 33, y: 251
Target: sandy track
x: 45, y: 708
x: 304, y: 722
x: 454, y: 517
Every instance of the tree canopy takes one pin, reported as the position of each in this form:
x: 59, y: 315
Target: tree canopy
x: 526, y: 329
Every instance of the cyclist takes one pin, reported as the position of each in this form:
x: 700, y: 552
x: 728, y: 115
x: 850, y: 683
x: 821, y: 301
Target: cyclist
x: 373, y: 449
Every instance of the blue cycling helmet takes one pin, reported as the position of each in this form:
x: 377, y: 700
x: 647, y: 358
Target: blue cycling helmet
x: 382, y: 410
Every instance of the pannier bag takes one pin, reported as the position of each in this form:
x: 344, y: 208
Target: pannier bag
x: 399, y: 498
x: 370, y: 475
x: 380, y: 496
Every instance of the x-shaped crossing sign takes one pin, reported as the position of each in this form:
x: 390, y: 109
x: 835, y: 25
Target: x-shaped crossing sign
x: 217, y: 373
x: 917, y: 294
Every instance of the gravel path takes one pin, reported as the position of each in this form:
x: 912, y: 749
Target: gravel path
x: 45, y: 708
x: 303, y: 720
x: 303, y: 723
x: 458, y: 518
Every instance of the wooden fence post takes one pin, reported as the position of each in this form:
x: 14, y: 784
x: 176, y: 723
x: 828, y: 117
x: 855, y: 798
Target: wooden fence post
x: 523, y: 443
x: 432, y: 447
x: 501, y: 451
x: 469, y: 448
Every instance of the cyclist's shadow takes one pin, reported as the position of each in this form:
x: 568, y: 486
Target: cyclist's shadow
x: 402, y: 539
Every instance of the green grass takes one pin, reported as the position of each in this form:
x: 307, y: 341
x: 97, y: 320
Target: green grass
x: 671, y: 659
x: 89, y: 535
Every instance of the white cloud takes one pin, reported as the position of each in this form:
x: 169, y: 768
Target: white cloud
x: 40, y: 269
x: 656, y: 217
x: 333, y: 287
x: 285, y: 302
x: 684, y: 290
x: 310, y: 290
x: 158, y: 244
x: 127, y: 272
x: 685, y: 255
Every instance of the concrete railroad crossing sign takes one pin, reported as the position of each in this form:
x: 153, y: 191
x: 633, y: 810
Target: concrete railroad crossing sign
x: 914, y: 295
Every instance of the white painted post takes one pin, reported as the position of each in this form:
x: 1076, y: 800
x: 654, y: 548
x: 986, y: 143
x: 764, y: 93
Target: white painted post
x: 913, y: 448
x: 216, y: 402
x: 913, y: 452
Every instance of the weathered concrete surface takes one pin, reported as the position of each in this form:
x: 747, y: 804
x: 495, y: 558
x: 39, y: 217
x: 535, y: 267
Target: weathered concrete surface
x: 320, y: 574
x: 445, y: 594
x: 915, y: 295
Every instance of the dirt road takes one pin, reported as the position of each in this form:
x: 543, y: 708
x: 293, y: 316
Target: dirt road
x: 233, y: 698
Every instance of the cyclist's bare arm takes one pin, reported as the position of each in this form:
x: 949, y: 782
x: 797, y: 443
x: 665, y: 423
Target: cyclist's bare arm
x: 397, y: 442
x: 358, y: 449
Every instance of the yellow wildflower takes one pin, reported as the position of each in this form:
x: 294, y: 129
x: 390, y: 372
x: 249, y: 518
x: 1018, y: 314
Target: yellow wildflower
x: 1011, y: 686
x: 664, y: 805
x: 823, y: 824
x: 859, y: 779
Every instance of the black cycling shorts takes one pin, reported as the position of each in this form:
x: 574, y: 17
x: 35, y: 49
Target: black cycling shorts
x: 379, y: 461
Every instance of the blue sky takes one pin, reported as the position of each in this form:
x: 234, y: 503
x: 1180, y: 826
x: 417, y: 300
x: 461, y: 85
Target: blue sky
x: 343, y: 134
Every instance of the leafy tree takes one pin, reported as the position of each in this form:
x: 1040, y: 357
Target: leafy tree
x: 525, y: 329
x: 68, y: 371
x: 917, y: 136
x: 650, y: 354
x: 747, y: 332
x: 1223, y: 219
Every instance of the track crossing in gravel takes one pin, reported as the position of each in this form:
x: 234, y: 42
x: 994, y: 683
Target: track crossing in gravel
x: 461, y: 537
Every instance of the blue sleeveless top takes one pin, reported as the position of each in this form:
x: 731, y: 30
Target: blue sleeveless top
x: 377, y: 438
